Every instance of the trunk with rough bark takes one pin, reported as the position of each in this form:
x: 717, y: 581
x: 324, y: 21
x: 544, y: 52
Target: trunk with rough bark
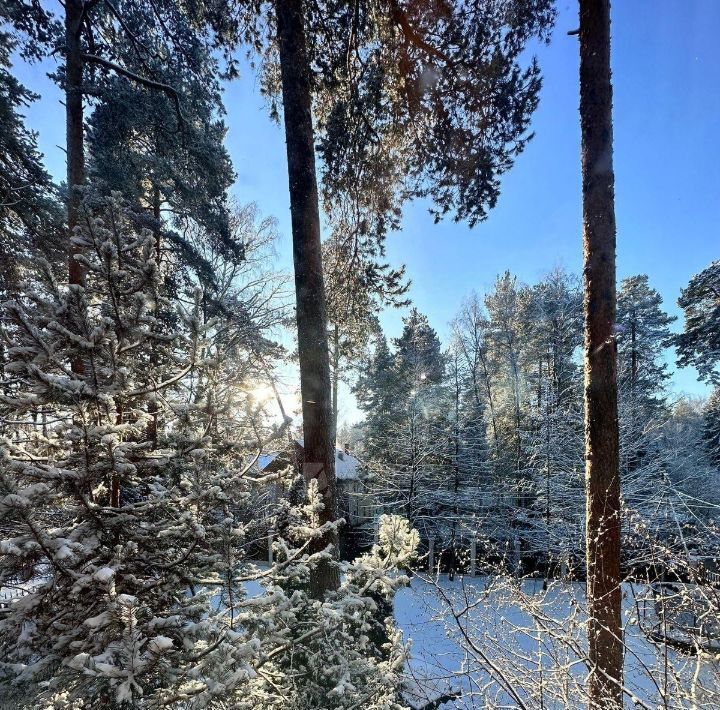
x: 75, y: 156
x: 74, y: 128
x: 491, y: 404
x: 335, y: 380
x: 151, y: 433
x: 74, y: 141
x: 319, y: 463
x: 601, y: 410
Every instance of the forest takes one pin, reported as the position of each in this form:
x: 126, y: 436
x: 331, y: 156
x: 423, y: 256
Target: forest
x: 228, y: 482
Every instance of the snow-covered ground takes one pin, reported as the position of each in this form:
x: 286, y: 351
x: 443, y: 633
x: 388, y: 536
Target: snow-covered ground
x: 530, y: 642
x: 523, y: 647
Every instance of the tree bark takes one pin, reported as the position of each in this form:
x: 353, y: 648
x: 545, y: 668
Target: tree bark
x: 152, y: 425
x: 157, y: 231
x: 456, y: 467
x: 335, y: 381
x: 491, y: 403
x: 319, y: 463
x: 74, y: 129
x: 601, y: 408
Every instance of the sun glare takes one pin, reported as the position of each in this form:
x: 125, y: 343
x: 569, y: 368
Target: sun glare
x: 261, y: 393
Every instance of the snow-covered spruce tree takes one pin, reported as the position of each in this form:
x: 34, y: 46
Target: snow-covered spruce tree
x: 108, y: 533
x: 377, y: 392
x: 131, y: 549
x: 344, y: 652
x: 406, y: 450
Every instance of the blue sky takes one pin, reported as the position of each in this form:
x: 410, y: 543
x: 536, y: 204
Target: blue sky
x: 667, y: 119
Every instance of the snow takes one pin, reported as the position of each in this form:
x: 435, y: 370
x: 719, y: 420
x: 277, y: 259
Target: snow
x: 158, y: 644
x: 439, y: 664
x: 96, y: 622
x: 104, y: 574
x: 63, y: 553
x: 346, y: 466
x: 79, y: 661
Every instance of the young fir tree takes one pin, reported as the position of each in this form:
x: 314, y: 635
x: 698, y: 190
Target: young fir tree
x: 406, y: 430
x: 377, y: 393
x: 419, y: 361
x: 131, y: 551
x: 107, y: 530
x: 419, y: 438
x: 345, y: 652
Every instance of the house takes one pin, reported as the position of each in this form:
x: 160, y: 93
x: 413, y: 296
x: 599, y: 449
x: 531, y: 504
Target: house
x: 353, y: 504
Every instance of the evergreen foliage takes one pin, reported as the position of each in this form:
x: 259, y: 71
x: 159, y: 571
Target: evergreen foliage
x: 141, y: 472
x: 711, y: 426
x: 132, y: 551
x: 699, y: 343
x: 487, y: 439
x: 29, y: 212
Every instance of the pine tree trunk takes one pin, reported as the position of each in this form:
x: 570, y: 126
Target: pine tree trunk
x: 456, y: 466
x: 74, y: 127
x: 491, y: 404
x: 74, y: 141
x: 319, y: 455
x: 601, y: 410
x: 152, y: 425
x: 335, y: 380
x: 630, y: 450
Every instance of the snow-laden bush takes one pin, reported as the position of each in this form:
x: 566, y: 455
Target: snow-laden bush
x: 344, y: 651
